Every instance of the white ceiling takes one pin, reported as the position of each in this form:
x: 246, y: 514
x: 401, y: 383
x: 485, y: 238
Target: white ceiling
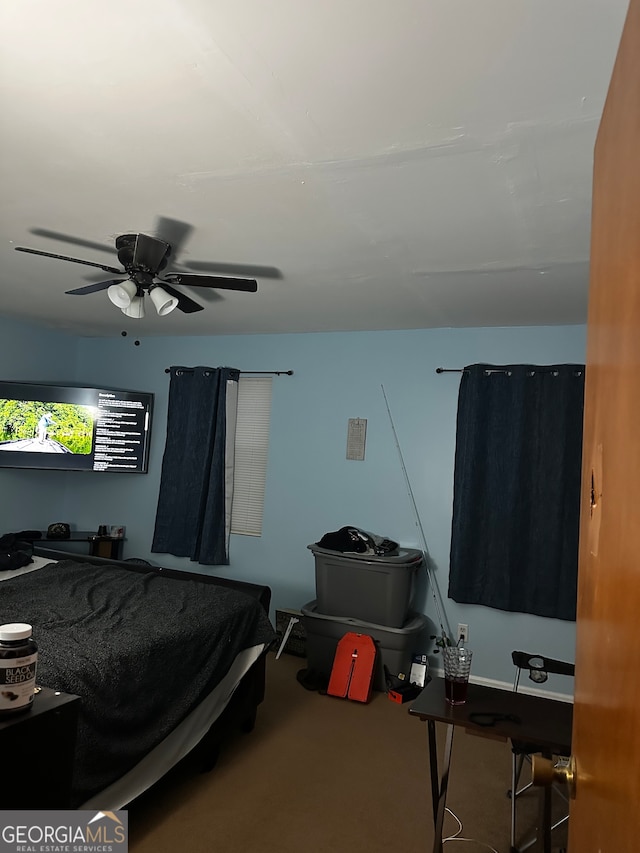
x: 389, y: 164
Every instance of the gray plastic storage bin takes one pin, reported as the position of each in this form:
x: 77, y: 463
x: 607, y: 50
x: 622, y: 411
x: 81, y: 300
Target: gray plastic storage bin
x: 395, y: 645
x: 374, y: 589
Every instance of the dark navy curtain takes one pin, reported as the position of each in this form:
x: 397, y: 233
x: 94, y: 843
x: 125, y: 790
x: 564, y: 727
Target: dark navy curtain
x: 193, y: 503
x: 516, y: 506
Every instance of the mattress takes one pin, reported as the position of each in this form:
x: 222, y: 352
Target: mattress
x: 175, y: 651
x: 177, y: 744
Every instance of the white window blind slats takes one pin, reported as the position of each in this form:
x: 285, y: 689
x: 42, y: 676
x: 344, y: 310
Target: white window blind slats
x: 251, y: 454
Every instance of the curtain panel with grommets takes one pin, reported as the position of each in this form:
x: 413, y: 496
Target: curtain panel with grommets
x: 516, y: 505
x: 193, y: 517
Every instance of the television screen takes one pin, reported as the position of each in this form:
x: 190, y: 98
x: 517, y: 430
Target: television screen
x: 69, y: 428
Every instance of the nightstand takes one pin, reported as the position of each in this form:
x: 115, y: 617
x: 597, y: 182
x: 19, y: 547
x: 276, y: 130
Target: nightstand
x: 109, y: 547
x: 37, y: 748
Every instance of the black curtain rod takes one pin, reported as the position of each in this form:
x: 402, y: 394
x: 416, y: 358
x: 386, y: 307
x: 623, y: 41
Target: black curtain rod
x: 464, y: 370
x: 274, y: 372
x: 489, y: 370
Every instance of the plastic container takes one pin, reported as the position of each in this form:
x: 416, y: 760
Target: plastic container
x: 18, y: 661
x: 374, y: 589
x: 395, y: 646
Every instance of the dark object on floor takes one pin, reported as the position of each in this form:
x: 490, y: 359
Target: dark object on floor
x: 311, y: 679
x: 406, y: 693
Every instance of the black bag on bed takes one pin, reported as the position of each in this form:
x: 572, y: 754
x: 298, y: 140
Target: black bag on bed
x: 14, y: 552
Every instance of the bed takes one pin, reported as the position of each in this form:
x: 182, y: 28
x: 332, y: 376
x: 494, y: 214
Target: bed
x: 163, y: 661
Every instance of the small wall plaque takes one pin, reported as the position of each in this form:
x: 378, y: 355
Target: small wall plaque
x: 356, y: 437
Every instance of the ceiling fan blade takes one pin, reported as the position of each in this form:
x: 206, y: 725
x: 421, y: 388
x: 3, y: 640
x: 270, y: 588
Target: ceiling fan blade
x: 248, y: 285
x: 95, y: 287
x: 67, y: 238
x: 103, y: 267
x: 174, y: 232
x: 218, y: 267
x: 149, y: 252
x: 185, y: 303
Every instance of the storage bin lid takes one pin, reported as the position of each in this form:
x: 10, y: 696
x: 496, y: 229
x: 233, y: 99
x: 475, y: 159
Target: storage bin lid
x: 414, y: 624
x: 412, y: 557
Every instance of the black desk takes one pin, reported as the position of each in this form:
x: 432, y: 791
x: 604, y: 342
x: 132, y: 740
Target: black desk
x: 545, y: 722
x: 109, y: 547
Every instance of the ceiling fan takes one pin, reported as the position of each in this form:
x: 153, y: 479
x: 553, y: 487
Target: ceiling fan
x: 143, y: 258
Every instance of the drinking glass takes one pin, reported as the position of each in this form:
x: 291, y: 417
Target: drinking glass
x: 457, y: 666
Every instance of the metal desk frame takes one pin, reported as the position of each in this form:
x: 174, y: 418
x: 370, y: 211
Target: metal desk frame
x: 545, y: 722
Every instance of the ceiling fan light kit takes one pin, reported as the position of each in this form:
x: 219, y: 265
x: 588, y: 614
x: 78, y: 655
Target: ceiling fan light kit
x: 122, y: 293
x: 143, y: 258
x: 164, y: 302
x: 135, y: 309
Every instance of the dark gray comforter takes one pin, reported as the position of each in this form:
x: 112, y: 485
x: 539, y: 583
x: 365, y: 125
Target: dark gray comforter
x: 141, y: 650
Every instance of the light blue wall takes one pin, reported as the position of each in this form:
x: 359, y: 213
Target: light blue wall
x: 311, y: 487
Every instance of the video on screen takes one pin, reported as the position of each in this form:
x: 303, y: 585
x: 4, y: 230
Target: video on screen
x: 32, y: 426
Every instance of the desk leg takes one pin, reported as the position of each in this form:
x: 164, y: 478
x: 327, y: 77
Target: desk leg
x: 543, y: 835
x: 442, y: 793
x: 433, y: 766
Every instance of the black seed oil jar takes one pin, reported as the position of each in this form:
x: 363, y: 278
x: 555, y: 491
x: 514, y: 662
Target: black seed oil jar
x: 18, y: 661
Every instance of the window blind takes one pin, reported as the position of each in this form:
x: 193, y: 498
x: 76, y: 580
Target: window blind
x: 251, y: 454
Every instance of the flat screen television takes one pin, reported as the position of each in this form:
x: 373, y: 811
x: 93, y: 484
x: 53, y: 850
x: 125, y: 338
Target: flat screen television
x: 69, y: 428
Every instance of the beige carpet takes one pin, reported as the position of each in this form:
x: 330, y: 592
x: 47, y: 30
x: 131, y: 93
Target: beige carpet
x: 324, y: 774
